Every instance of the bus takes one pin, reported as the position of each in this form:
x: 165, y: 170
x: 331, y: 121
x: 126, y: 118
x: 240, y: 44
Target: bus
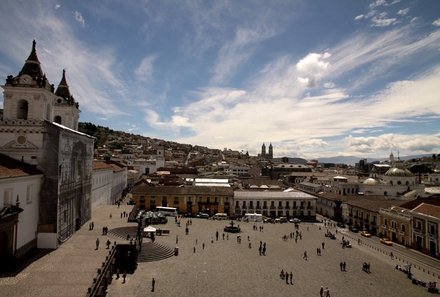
x: 167, y: 211
x: 220, y: 216
x: 253, y: 217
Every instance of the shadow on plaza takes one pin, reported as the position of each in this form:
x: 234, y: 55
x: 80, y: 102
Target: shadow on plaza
x: 13, y: 268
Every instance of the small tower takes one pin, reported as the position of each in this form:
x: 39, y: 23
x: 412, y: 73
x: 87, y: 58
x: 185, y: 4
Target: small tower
x: 66, y: 110
x: 28, y: 96
x: 270, y: 152
x: 263, y: 151
x: 391, y: 159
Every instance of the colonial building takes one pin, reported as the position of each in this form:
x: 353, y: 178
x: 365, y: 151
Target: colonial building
x: 397, y: 182
x: 187, y: 199
x: 39, y: 128
x: 395, y: 224
x: 102, y: 178
x: 275, y: 203
x: 362, y: 212
x: 426, y: 229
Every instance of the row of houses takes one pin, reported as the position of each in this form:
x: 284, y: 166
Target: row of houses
x: 199, y: 197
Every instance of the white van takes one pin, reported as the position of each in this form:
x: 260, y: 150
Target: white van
x: 253, y: 217
x: 220, y: 216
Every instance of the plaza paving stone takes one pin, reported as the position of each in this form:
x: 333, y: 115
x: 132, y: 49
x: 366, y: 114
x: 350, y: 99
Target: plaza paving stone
x: 223, y: 268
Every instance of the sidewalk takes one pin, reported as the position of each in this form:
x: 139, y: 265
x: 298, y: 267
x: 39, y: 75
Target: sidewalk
x: 69, y: 270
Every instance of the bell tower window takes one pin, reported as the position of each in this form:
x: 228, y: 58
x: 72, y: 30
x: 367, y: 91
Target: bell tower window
x: 23, y: 109
x: 57, y: 120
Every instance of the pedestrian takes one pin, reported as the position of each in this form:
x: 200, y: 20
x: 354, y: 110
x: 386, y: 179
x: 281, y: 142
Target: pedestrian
x: 97, y: 243
x: 108, y: 243
x: 343, y: 266
x: 124, y: 275
x: 153, y: 282
x: 321, y: 292
x: 110, y: 216
x: 305, y: 255
x: 291, y: 278
x: 203, y: 246
x: 323, y: 245
x: 287, y: 278
x: 194, y: 250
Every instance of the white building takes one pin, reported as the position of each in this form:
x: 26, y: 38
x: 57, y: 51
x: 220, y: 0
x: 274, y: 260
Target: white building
x: 102, y: 179
x: 396, y: 183
x: 20, y: 186
x: 39, y: 127
x: 275, y: 204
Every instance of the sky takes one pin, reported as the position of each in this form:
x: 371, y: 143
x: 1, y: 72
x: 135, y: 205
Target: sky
x: 315, y: 78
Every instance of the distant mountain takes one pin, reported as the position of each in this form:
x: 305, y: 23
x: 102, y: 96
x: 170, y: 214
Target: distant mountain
x: 351, y: 160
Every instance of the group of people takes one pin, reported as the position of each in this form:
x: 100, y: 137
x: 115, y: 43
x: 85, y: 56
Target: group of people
x: 286, y: 276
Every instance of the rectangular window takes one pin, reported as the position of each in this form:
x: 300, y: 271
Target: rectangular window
x: 176, y: 200
x: 8, y: 197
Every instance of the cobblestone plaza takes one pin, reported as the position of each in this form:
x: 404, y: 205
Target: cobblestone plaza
x: 223, y: 268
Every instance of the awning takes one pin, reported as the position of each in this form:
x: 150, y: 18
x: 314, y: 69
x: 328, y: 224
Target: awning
x: 149, y: 229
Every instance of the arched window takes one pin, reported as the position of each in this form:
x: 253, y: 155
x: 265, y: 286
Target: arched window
x: 57, y: 120
x: 23, y: 108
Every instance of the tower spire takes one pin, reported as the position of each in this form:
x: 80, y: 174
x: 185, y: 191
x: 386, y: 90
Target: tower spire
x: 32, y: 65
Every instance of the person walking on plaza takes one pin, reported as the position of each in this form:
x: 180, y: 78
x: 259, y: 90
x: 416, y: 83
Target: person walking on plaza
x: 153, y: 282
x: 97, y: 243
x: 305, y: 255
x: 108, y: 243
x: 291, y: 278
x: 124, y: 275
x: 321, y: 292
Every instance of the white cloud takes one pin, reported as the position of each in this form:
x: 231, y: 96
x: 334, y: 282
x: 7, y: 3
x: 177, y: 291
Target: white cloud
x: 359, y: 17
x: 144, y: 71
x: 311, y: 68
x: 381, y: 20
x: 79, y: 18
x: 416, y: 144
x: 436, y: 22
x: 236, y: 52
x: 403, y: 11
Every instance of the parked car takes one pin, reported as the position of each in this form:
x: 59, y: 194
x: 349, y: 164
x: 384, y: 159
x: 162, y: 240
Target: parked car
x: 386, y: 241
x: 353, y: 229
x: 283, y: 220
x: 295, y: 220
x: 365, y: 233
x: 202, y: 215
x: 268, y: 220
x: 340, y: 225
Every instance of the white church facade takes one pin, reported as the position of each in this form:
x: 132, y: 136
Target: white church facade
x: 40, y: 128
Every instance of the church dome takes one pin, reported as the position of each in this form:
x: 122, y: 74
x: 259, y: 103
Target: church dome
x: 370, y: 181
x: 398, y: 172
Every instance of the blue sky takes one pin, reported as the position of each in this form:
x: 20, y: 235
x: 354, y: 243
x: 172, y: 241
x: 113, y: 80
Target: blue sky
x: 314, y: 78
